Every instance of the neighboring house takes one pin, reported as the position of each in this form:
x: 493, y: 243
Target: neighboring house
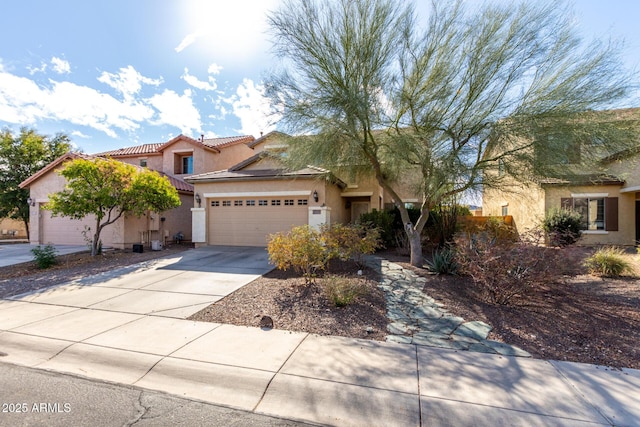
x: 175, y: 159
x: 245, y: 203
x: 12, y: 229
x: 609, y: 201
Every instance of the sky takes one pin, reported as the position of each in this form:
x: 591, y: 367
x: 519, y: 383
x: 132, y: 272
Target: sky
x: 118, y: 73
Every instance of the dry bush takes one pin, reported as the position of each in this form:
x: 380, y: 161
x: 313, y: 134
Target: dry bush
x: 503, y: 270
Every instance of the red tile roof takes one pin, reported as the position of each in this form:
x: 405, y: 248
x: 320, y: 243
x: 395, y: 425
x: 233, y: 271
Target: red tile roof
x: 227, y: 140
x: 132, y: 151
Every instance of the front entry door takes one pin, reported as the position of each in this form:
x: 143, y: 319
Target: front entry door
x: 357, y: 209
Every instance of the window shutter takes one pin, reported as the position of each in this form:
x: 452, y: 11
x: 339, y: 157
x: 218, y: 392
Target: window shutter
x: 611, y: 214
x: 566, y: 203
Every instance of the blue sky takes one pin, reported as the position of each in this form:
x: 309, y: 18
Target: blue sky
x: 123, y: 72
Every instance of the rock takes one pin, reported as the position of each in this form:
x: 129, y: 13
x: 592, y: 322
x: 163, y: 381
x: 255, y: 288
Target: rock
x: 398, y: 339
x: 398, y: 328
x: 476, y: 330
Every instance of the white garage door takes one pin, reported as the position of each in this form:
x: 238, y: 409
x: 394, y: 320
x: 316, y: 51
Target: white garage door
x: 249, y: 221
x: 62, y: 230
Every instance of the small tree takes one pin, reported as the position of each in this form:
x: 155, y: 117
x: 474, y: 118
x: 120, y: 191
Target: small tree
x: 109, y: 189
x: 20, y: 157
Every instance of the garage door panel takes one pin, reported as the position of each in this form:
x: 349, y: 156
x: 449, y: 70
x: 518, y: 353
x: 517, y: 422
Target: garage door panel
x: 251, y: 225
x: 63, y: 230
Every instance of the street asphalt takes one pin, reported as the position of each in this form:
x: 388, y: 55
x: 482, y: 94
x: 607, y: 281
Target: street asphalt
x: 129, y: 327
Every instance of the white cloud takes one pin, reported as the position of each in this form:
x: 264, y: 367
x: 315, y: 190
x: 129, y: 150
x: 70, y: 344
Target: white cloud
x: 177, y: 110
x: 60, y: 66
x: 199, y: 84
x: 79, y: 134
x: 252, y: 108
x: 25, y: 102
x: 187, y: 41
x: 33, y: 70
x: 214, y: 69
x: 128, y: 81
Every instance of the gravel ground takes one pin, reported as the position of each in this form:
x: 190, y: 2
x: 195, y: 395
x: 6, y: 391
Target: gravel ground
x: 581, y: 319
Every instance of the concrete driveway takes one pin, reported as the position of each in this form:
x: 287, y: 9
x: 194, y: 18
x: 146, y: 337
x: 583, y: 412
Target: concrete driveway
x: 21, y: 252
x: 178, y: 286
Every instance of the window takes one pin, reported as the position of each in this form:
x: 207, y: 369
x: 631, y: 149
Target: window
x: 226, y: 203
x: 251, y: 202
x: 592, y: 212
x: 303, y: 202
x: 187, y: 164
x: 143, y: 163
x: 215, y: 203
x: 262, y: 203
x: 505, y: 210
x: 275, y: 203
x: 288, y: 202
x: 237, y: 203
x: 598, y: 212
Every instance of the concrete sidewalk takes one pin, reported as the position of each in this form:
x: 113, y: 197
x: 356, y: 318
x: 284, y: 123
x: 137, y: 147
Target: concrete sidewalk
x: 129, y: 327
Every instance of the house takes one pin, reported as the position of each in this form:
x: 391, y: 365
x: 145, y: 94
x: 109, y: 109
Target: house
x: 12, y: 229
x: 234, y: 191
x: 175, y: 159
x: 245, y: 203
x: 608, y: 200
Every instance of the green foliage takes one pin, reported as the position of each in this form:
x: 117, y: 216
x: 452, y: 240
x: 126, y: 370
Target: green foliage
x: 351, y: 241
x: 110, y: 189
x: 563, y: 226
x: 444, y: 103
x: 44, y: 256
x: 303, y: 248
x: 342, y: 290
x: 20, y: 157
x: 443, y: 261
x: 383, y: 221
x: 608, y: 262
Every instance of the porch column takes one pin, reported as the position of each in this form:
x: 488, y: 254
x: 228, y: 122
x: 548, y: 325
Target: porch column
x: 319, y: 215
x: 198, y: 226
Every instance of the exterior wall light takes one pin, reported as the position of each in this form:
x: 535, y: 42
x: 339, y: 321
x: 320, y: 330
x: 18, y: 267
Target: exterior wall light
x: 31, y: 202
x: 315, y: 196
x: 198, y: 200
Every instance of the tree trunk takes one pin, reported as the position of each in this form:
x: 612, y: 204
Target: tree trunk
x: 415, y: 244
x: 26, y: 226
x: 96, y: 239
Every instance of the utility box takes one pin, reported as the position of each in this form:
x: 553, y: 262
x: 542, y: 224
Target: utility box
x: 138, y: 248
x: 156, y: 245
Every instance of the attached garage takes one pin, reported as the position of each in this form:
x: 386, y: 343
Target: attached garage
x: 248, y: 220
x: 62, y: 230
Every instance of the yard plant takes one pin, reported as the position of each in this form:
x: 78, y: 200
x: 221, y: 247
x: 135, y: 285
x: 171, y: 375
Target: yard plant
x: 608, y: 262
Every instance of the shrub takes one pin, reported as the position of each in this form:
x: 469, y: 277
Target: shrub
x: 303, y: 249
x: 503, y: 270
x: 563, y: 226
x: 351, y: 241
x: 443, y: 261
x: 609, y: 262
x: 342, y: 291
x: 383, y: 221
x: 45, y: 256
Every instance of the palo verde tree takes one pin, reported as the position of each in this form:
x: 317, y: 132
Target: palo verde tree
x: 20, y: 157
x: 109, y: 189
x: 445, y: 100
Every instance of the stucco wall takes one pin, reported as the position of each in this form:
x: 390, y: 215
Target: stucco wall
x: 526, y: 204
x: 626, y: 213
x: 13, y: 228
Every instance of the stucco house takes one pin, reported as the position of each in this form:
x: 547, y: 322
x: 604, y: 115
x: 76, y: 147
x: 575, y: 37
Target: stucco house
x: 245, y: 203
x: 608, y: 200
x: 176, y: 159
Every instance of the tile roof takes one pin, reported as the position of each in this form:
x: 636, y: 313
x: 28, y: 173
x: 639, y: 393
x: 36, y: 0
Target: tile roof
x: 179, y: 184
x: 591, y: 179
x: 132, y: 151
x: 227, y: 140
x: 256, y: 174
